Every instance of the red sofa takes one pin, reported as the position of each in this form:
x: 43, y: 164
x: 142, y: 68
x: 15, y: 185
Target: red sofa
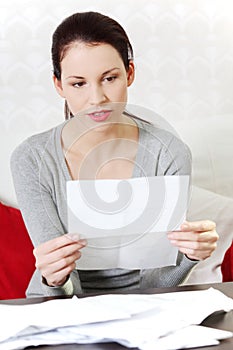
x: 227, y: 265
x: 17, y: 262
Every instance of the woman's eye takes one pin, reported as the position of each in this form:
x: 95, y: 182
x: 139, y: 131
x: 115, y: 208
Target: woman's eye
x: 112, y: 78
x: 79, y: 84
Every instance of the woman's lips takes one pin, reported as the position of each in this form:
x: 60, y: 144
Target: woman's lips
x: 100, y: 116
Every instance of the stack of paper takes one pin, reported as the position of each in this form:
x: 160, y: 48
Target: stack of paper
x: 161, y: 321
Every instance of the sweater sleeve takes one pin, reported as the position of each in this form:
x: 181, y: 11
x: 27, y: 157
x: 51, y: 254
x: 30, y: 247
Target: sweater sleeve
x: 36, y: 202
x: 176, y: 158
x: 34, y: 196
x: 168, y: 276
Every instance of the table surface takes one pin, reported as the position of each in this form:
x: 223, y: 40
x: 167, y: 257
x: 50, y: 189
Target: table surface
x: 218, y: 320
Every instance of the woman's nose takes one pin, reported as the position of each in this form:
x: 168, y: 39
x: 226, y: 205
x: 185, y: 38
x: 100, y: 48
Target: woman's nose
x: 97, y: 95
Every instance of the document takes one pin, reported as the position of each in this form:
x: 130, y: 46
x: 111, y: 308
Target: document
x: 125, y: 222
x: 167, y: 321
x: 188, y: 337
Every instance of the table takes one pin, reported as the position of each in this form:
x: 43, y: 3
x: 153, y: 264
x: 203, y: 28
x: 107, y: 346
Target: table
x: 219, y: 320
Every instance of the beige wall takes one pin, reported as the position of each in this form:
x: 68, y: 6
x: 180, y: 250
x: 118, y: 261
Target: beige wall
x: 183, y: 56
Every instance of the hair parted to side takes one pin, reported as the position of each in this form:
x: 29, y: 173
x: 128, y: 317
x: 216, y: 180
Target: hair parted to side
x: 92, y: 28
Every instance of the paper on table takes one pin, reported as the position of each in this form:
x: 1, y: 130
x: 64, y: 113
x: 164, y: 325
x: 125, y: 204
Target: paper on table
x: 126, y: 221
x: 74, y: 312
x: 163, y: 314
x: 191, y: 336
x: 148, y: 321
x: 188, y: 337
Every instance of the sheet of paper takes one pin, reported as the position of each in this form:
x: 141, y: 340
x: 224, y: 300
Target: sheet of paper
x: 126, y: 222
x: 192, y: 336
x: 162, y: 321
x: 163, y: 314
x: 74, y: 312
x: 187, y: 337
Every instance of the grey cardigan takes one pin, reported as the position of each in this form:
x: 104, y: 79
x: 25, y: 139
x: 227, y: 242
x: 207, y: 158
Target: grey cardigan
x: 40, y: 174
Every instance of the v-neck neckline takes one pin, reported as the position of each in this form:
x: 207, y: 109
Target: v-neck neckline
x: 138, y: 159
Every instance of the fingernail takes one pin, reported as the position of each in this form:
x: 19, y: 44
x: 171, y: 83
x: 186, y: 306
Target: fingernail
x: 172, y: 241
x: 73, y: 236
x: 184, y: 226
x: 83, y: 242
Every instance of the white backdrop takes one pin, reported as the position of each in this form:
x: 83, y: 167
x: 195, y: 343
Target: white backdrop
x: 183, y: 56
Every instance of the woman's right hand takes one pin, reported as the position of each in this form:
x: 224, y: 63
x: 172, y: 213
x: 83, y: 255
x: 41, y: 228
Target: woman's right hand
x: 55, y: 259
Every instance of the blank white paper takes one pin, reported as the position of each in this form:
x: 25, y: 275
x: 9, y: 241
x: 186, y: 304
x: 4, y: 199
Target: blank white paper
x: 126, y: 222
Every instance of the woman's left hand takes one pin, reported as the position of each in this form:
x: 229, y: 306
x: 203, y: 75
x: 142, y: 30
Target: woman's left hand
x: 197, y: 240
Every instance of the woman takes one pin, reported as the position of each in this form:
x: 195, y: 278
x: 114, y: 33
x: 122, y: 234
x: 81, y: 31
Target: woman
x: 93, y: 68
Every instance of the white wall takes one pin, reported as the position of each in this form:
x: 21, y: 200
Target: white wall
x: 183, y: 56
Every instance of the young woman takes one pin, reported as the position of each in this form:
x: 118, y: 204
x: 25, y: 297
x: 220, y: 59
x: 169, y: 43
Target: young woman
x: 93, y: 68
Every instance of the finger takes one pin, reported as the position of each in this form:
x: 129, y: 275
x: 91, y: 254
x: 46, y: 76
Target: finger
x: 196, y: 254
x: 195, y: 246
x: 61, y: 264
x: 65, y: 252
x: 43, y: 258
x: 56, y: 278
x: 55, y: 256
x: 59, y: 242
x: 198, y: 226
x: 209, y: 236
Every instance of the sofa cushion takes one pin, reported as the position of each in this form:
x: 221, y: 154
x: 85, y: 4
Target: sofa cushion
x: 17, y: 262
x: 211, y: 144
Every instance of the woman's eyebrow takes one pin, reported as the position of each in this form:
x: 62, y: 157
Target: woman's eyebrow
x: 74, y: 76
x: 79, y: 77
x: 110, y: 70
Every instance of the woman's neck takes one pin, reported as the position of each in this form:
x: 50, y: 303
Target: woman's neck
x: 107, y: 152
x: 82, y: 139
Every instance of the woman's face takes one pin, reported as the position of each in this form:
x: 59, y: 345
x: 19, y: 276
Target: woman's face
x: 94, y: 81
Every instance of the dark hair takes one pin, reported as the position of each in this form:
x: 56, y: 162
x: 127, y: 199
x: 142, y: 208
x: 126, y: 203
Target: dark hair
x: 91, y: 28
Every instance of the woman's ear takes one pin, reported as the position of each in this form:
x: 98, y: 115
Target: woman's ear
x: 130, y: 73
x: 58, y: 86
